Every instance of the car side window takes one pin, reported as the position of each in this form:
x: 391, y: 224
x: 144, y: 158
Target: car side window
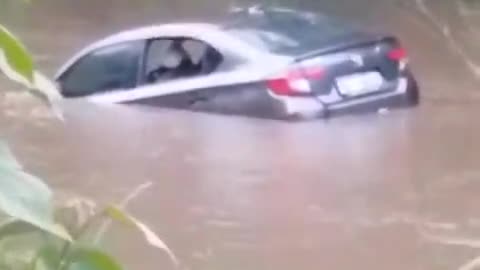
x: 105, y: 69
x: 169, y: 59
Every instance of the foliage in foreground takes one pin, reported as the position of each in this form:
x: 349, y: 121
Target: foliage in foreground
x: 34, y: 234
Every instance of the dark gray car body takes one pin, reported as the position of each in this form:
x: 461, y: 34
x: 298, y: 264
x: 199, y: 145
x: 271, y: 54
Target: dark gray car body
x: 256, y: 45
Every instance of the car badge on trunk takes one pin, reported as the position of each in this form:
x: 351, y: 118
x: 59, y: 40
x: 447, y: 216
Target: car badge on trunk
x: 357, y: 59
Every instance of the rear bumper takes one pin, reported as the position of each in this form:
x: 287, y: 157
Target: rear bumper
x: 405, y: 95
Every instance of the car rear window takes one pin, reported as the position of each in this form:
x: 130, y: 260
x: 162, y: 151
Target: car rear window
x: 290, y: 33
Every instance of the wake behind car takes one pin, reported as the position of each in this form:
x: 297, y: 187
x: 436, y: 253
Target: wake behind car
x: 264, y: 62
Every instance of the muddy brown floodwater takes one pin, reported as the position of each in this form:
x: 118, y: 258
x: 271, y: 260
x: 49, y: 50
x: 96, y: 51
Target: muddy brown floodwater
x: 395, y: 191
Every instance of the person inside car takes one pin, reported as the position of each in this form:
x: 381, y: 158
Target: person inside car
x: 176, y: 64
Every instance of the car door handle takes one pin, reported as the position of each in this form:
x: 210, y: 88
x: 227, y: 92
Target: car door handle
x: 196, y: 98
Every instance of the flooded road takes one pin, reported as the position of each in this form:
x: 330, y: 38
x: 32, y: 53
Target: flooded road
x: 395, y: 191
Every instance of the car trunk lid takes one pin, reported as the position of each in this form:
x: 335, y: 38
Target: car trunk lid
x: 358, y: 65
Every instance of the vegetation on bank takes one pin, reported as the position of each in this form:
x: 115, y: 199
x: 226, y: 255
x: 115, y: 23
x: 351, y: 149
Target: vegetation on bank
x: 35, y: 234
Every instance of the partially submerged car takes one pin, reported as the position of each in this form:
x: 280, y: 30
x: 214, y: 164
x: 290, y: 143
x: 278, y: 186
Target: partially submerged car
x: 265, y: 62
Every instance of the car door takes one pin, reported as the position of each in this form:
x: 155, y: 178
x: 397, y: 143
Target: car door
x: 167, y: 87
x: 205, y: 89
x: 184, y: 88
x: 110, y: 69
x: 224, y: 83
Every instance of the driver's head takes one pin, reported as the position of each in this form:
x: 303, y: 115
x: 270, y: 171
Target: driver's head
x: 174, y: 56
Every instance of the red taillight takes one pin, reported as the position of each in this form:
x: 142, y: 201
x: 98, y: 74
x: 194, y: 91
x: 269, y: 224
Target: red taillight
x: 281, y: 86
x: 397, y: 54
x: 295, y: 82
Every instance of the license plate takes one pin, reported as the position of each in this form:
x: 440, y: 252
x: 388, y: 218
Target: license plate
x: 359, y: 84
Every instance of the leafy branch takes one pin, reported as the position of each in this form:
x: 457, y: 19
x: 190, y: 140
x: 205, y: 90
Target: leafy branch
x: 34, y: 234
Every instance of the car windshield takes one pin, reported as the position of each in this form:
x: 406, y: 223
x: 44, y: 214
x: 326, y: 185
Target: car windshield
x: 278, y: 32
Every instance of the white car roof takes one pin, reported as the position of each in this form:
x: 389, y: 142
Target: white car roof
x: 209, y: 33
x: 188, y: 29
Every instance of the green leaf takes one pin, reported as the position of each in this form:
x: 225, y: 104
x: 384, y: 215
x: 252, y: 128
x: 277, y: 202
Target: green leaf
x: 19, y: 250
x: 26, y: 198
x: 47, y: 91
x: 46, y: 258
x: 118, y: 214
x: 91, y: 259
x: 151, y: 237
x: 17, y: 64
x: 14, y: 227
x: 15, y: 61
